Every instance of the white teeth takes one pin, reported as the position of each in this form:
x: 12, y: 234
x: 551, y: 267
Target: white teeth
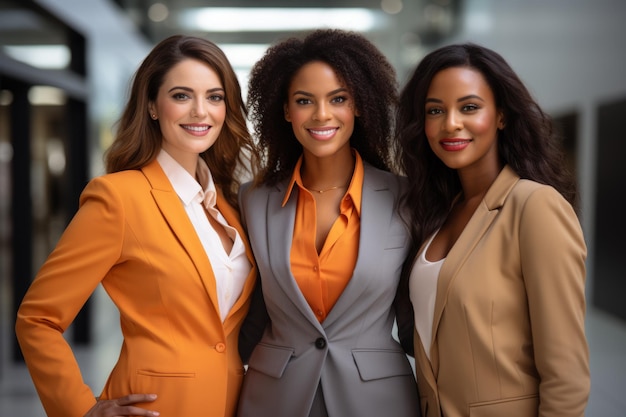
x: 197, y: 128
x: 323, y: 132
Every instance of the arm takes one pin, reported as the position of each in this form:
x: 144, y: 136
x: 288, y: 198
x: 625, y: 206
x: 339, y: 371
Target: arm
x: 405, y: 315
x: 90, y: 246
x: 257, y: 319
x: 254, y: 324
x: 404, y: 309
x: 553, y: 254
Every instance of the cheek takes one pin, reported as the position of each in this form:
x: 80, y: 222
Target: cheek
x: 218, y: 113
x: 297, y: 115
x: 431, y: 129
x: 485, y: 125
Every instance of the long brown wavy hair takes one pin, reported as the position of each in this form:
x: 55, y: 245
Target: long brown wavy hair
x: 139, y: 138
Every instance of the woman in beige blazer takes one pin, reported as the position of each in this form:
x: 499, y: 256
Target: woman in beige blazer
x: 497, y: 276
x: 160, y: 232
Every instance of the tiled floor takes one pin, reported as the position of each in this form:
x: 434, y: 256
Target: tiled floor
x: 607, y: 343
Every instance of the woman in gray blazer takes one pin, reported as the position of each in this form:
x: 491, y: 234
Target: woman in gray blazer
x: 329, y: 241
x: 498, y: 282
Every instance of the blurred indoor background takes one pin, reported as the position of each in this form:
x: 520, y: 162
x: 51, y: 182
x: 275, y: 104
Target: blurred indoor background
x: 65, y: 67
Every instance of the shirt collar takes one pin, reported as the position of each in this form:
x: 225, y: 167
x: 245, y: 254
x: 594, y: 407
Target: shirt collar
x: 186, y: 185
x: 354, y: 189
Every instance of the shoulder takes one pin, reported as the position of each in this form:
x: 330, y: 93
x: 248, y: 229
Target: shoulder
x: 379, y: 178
x: 128, y: 184
x: 542, y: 206
x: 531, y: 192
x: 121, y: 180
x: 250, y: 192
x: 509, y: 191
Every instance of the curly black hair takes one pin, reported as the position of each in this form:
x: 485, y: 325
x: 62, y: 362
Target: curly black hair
x: 364, y: 70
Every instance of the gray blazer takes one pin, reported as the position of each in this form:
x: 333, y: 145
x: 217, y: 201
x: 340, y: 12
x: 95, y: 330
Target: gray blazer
x: 352, y: 355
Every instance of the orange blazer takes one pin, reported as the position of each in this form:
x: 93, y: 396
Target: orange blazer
x: 133, y: 236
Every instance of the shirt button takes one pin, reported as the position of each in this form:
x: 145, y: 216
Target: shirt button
x: 315, y: 268
x: 320, y: 343
x: 220, y: 347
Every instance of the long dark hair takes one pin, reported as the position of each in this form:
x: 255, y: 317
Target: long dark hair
x: 526, y: 142
x: 138, y: 138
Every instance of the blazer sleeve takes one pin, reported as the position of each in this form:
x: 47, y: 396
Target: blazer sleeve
x: 254, y: 324
x: 405, y: 316
x: 88, y: 248
x: 257, y: 318
x: 553, y: 254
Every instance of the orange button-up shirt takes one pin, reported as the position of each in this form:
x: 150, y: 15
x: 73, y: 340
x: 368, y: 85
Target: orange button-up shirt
x: 323, y: 277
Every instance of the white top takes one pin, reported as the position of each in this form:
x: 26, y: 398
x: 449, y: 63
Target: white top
x: 423, y: 291
x: 230, y: 269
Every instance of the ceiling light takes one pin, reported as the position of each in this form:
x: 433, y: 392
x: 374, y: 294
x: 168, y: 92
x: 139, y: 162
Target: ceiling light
x: 158, y: 12
x: 242, y: 55
x: 43, y: 95
x: 40, y: 56
x: 270, y: 19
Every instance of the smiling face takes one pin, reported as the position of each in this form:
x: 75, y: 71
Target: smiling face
x: 190, y: 109
x: 462, y: 120
x: 320, y: 109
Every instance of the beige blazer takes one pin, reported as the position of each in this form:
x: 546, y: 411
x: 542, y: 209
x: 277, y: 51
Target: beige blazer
x: 133, y: 236
x: 508, y: 334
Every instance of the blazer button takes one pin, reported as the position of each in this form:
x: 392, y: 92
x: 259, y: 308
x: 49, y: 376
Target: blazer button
x: 320, y: 343
x: 220, y: 347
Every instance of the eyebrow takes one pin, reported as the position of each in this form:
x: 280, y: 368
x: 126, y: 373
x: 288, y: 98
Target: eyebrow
x: 210, y: 90
x: 468, y: 97
x: 332, y: 93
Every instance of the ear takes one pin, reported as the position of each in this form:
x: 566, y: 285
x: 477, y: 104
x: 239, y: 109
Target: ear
x: 151, y: 111
x: 501, y: 121
x: 286, y: 110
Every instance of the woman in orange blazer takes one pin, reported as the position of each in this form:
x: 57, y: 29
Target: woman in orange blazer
x: 160, y: 232
x: 497, y: 281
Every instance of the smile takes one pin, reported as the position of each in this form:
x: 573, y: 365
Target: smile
x: 325, y: 133
x: 454, y: 144
x: 196, y: 128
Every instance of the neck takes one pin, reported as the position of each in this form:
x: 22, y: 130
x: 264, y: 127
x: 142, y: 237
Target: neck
x: 475, y: 183
x: 321, y: 175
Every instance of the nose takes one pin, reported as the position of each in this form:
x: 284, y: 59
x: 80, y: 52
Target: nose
x: 453, y: 122
x: 199, y: 108
x: 321, y: 112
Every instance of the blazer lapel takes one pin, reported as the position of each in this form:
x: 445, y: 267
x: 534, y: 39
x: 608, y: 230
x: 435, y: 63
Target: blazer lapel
x: 174, y: 214
x: 280, y: 224
x: 462, y: 249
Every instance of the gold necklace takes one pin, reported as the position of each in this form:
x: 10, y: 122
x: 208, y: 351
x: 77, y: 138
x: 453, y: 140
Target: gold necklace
x: 327, y: 189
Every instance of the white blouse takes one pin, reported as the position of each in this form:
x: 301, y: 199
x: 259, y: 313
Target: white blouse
x: 423, y: 291
x: 230, y: 269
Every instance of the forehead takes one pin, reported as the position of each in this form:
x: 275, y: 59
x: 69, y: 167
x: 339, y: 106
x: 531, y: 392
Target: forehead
x: 459, y: 80
x: 192, y: 72
x: 315, y: 74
